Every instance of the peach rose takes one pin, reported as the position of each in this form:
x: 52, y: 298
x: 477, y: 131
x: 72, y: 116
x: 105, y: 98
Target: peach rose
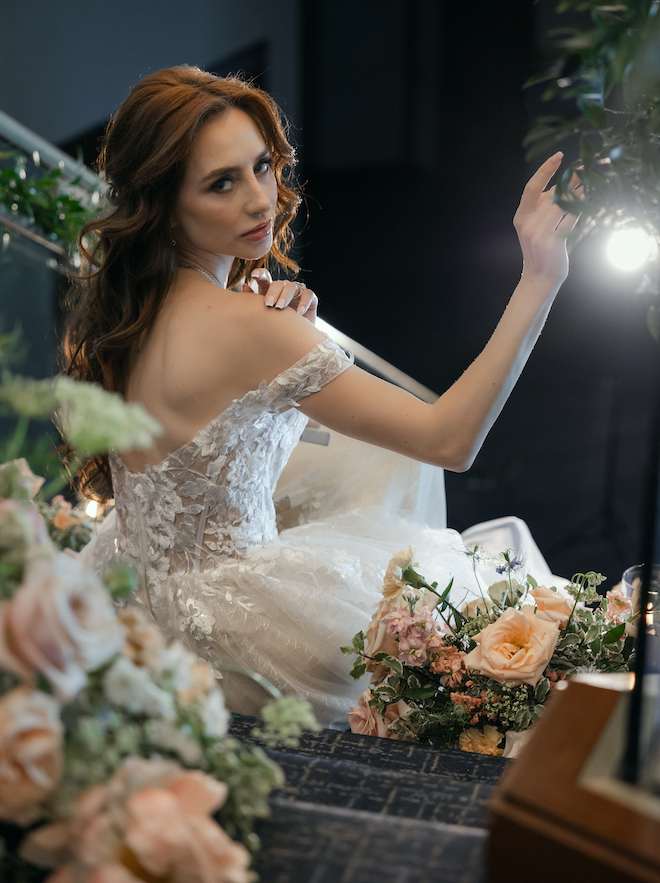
x: 31, y: 736
x: 476, y: 607
x: 516, y: 647
x: 151, y: 821
x: 63, y: 520
x: 143, y: 641
x: 365, y: 720
x: 60, y: 623
x: 379, y: 640
x: 552, y: 606
x: 484, y: 741
x: 393, y: 584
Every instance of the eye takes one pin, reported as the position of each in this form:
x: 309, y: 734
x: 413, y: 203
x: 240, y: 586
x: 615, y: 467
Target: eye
x: 263, y: 165
x: 222, y: 185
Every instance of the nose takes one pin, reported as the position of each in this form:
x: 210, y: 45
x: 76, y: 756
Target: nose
x: 261, y: 195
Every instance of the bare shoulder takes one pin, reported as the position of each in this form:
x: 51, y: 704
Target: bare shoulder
x: 234, y: 337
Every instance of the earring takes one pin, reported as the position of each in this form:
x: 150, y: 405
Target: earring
x: 173, y: 242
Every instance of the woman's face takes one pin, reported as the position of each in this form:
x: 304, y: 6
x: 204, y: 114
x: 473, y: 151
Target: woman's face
x: 227, y: 202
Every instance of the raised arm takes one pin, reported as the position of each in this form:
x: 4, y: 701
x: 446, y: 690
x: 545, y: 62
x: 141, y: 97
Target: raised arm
x: 450, y: 432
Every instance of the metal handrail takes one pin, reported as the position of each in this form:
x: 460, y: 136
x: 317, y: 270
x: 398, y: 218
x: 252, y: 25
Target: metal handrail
x: 378, y: 365
x: 52, y: 156
x: 48, y: 153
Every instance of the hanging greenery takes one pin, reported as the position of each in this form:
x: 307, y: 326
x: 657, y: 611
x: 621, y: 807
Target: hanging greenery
x: 607, y: 73
x: 47, y: 204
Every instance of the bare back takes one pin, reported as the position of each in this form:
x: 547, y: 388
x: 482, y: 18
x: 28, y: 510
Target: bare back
x: 207, y: 347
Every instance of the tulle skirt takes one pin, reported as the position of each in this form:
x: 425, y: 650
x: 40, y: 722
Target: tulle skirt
x: 285, y: 609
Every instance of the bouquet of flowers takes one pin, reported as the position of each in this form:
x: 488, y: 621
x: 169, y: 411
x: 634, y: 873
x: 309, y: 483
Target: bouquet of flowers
x: 479, y: 677
x: 115, y: 763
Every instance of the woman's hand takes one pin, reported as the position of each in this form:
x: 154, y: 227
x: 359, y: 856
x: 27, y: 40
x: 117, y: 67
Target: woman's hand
x: 283, y: 294
x: 538, y: 222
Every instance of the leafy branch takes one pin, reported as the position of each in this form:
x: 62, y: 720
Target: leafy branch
x: 607, y: 74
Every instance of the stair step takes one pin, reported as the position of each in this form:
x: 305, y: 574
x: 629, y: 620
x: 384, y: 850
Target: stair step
x: 388, y: 754
x: 305, y: 843
x: 391, y: 792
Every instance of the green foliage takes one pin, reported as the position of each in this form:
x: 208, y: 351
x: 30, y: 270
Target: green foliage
x: 443, y: 699
x: 56, y: 207
x: 285, y: 720
x: 608, y: 73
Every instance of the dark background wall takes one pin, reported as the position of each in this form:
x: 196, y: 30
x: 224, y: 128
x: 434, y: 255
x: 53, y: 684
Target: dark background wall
x: 409, y: 118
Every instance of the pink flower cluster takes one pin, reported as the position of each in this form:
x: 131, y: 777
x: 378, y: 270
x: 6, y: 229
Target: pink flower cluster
x: 413, y: 632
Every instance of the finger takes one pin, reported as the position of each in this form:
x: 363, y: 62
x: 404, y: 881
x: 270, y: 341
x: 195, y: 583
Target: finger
x: 273, y: 294
x: 263, y: 279
x: 290, y: 291
x: 308, y: 301
x: 538, y: 182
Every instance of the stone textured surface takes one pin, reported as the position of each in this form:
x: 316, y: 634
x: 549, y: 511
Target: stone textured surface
x: 356, y: 809
x: 305, y: 843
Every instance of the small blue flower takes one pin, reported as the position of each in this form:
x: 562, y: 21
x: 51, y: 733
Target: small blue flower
x: 510, y: 565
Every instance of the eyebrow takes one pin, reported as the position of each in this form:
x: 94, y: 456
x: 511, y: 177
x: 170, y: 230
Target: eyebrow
x: 228, y: 170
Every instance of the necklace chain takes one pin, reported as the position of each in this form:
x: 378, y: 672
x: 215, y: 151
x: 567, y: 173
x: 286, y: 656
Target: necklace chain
x: 208, y: 275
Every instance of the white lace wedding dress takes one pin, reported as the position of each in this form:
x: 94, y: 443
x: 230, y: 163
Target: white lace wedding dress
x: 200, y: 530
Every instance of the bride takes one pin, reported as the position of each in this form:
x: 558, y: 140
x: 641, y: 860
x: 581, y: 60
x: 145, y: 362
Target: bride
x: 167, y: 315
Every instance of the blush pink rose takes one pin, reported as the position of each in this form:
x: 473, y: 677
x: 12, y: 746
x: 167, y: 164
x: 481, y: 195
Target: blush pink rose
x: 517, y: 647
x: 552, y: 606
x: 619, y: 608
x: 23, y: 532
x: 380, y: 640
x: 60, y: 623
x: 365, y: 720
x: 18, y: 481
x: 152, y: 821
x: 31, y: 736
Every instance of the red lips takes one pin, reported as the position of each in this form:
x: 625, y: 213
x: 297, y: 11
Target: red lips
x: 259, y: 232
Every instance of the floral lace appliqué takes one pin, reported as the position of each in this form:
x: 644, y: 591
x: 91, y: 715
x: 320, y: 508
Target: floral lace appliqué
x: 212, y: 498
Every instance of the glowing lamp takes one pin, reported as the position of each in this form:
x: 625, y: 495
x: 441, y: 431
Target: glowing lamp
x: 629, y: 248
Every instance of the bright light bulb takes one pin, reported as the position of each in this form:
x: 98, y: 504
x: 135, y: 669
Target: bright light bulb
x: 92, y: 509
x: 630, y: 248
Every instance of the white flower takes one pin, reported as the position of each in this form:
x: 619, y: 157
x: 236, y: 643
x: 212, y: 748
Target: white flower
x: 130, y: 687
x: 215, y: 716
x: 170, y: 737
x: 94, y: 420
x: 30, y: 398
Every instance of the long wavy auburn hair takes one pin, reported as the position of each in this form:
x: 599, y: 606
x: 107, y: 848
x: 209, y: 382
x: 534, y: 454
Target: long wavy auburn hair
x: 128, y: 258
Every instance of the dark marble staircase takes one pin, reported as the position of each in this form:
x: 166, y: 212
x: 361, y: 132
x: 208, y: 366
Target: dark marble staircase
x: 356, y: 809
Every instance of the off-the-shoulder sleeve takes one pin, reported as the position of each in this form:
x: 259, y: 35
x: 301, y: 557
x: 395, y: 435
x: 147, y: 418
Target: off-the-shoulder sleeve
x: 321, y: 365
